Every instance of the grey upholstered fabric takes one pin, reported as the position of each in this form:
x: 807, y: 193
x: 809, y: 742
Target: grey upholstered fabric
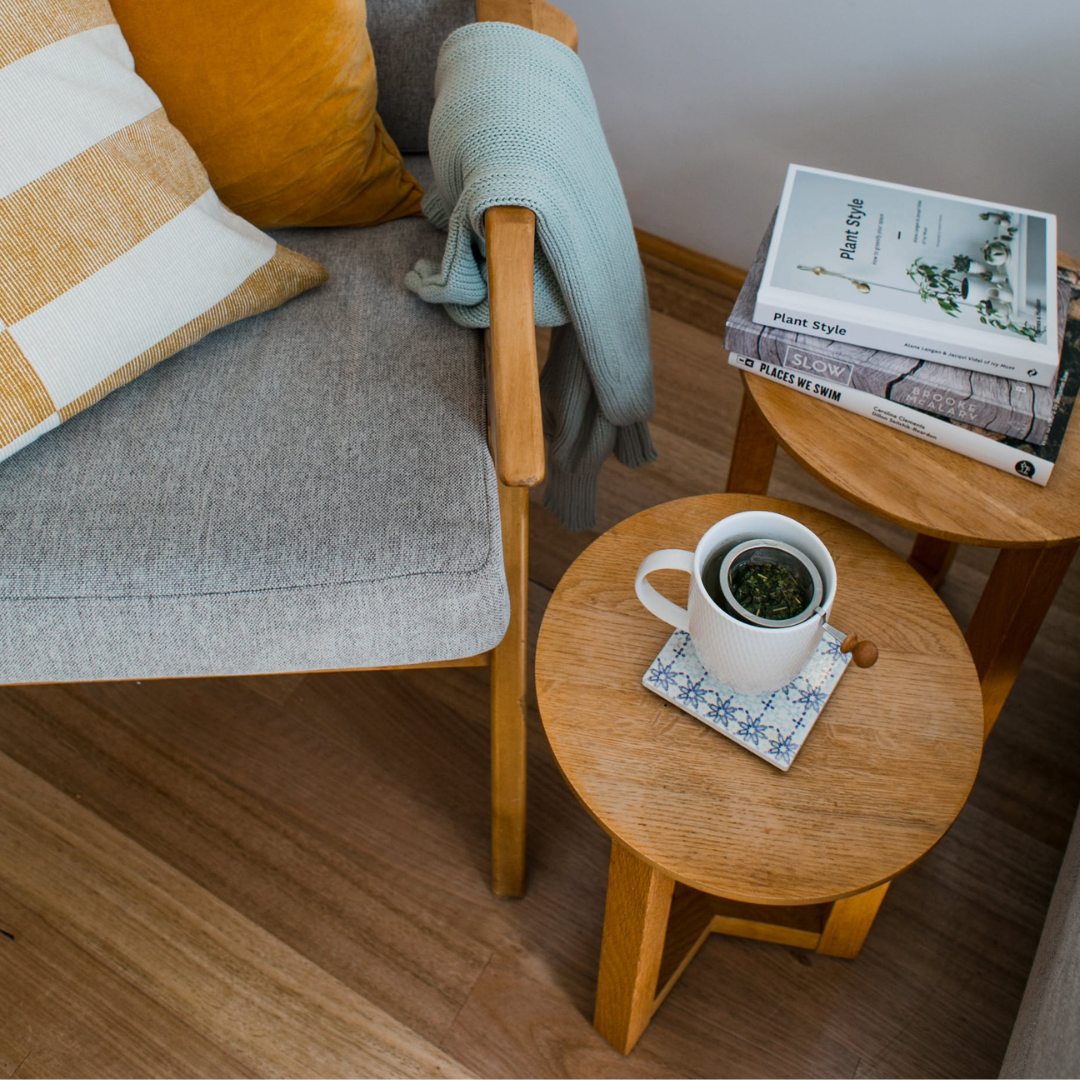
x: 310, y: 488
x: 1046, y: 1038
x: 405, y: 37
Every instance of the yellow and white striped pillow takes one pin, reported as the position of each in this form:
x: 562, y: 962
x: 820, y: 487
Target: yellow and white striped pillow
x: 114, y: 250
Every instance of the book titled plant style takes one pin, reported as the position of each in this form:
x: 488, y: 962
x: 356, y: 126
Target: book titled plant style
x: 914, y: 272
x: 1008, y: 407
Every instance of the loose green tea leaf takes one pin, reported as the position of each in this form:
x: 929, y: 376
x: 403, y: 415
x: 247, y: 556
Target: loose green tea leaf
x: 768, y: 590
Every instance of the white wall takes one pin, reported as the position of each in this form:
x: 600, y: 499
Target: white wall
x: 706, y: 101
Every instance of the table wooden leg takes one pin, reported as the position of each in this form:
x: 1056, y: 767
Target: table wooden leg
x: 753, y: 454
x: 635, y: 925
x: 932, y: 558
x: 848, y: 923
x: 1011, y: 609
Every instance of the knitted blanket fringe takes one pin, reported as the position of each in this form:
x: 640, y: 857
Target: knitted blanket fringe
x: 515, y: 124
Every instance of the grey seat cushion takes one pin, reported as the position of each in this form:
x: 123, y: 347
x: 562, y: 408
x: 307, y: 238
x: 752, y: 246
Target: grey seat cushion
x: 405, y: 37
x: 307, y: 489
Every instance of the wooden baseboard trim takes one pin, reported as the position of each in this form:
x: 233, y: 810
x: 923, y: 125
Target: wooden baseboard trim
x: 686, y: 285
x: 688, y: 259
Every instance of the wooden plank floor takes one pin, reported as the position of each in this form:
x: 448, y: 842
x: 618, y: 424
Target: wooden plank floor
x: 288, y: 876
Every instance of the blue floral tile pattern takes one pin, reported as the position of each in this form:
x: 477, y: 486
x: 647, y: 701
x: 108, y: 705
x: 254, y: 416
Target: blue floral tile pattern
x: 774, y: 726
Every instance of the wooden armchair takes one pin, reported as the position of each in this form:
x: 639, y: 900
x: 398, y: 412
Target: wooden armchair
x: 319, y: 492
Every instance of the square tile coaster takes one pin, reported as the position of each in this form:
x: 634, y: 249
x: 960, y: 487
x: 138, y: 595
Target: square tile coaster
x: 775, y: 725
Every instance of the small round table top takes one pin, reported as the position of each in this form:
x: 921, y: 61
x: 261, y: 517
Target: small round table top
x: 919, y: 485
x: 879, y: 780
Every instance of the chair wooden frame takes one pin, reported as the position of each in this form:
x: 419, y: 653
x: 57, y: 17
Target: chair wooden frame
x: 516, y: 439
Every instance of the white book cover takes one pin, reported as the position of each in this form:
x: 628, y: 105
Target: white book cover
x: 914, y: 272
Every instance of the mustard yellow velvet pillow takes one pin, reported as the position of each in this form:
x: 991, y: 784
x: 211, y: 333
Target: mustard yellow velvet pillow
x: 277, y: 98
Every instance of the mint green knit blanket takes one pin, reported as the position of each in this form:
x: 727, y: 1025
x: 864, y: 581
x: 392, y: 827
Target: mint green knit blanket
x: 515, y: 124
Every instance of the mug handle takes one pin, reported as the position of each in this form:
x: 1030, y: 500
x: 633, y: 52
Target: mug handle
x: 661, y: 606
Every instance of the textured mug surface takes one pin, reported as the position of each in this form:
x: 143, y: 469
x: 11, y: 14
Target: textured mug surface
x: 749, y: 659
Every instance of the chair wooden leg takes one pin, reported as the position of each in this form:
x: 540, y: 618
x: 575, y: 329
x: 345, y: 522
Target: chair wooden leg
x: 753, y: 454
x: 932, y: 558
x: 635, y: 925
x: 508, y: 704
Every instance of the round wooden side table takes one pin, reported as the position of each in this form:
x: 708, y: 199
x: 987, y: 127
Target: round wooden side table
x: 707, y: 837
x: 945, y: 498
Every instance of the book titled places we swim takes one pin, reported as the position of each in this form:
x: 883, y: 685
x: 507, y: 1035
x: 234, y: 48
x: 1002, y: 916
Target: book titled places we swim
x: 914, y: 272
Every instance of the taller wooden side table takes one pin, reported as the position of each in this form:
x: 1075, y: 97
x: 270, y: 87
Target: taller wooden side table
x: 707, y: 838
x: 945, y: 498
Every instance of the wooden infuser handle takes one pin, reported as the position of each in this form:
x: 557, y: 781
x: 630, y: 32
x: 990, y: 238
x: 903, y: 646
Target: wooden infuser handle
x: 864, y: 653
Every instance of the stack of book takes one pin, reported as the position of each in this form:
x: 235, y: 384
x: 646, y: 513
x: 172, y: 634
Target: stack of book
x: 938, y: 315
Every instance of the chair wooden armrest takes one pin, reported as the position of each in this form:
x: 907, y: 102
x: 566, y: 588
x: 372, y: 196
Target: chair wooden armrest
x: 513, y: 371
x: 537, y: 15
x: 517, y: 434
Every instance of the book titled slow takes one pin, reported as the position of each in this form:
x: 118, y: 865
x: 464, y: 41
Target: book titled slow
x: 1026, y: 460
x: 1004, y: 406
x: 914, y: 272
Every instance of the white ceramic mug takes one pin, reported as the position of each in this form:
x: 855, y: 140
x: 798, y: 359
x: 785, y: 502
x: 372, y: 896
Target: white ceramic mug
x: 750, y: 659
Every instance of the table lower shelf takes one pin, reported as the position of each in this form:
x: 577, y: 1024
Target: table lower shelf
x: 654, y: 926
x: 695, y: 915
